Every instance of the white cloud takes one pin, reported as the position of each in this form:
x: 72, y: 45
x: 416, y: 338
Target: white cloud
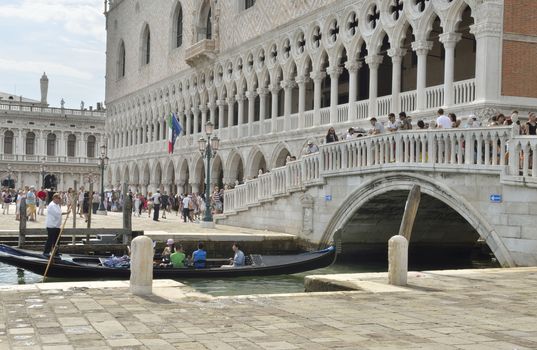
x: 81, y: 17
x: 38, y: 67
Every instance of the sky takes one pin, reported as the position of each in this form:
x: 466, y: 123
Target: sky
x: 64, y: 38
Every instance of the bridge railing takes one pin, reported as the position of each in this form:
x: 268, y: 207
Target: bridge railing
x: 523, y: 156
x: 468, y: 149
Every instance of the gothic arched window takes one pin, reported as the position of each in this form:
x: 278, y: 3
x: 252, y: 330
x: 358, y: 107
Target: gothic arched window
x: 146, y: 46
x: 209, y: 26
x: 30, y: 143
x: 179, y: 26
x: 8, y: 142
x: 71, y: 145
x: 121, y: 63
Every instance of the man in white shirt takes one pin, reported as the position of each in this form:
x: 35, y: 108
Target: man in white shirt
x: 377, y: 128
x: 186, y: 208
x: 53, y: 223
x: 156, y: 205
x: 443, y: 121
x: 392, y: 125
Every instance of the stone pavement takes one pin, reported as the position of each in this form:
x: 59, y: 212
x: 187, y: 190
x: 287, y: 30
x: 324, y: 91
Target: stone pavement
x: 476, y: 309
x: 171, y: 225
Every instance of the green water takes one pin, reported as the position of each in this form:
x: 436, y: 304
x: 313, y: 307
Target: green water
x: 266, y: 285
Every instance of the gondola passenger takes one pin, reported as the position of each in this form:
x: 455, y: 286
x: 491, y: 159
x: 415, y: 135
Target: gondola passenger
x: 199, y: 257
x: 178, y: 259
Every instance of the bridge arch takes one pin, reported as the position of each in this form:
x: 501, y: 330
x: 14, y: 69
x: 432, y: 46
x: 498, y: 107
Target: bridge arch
x: 403, y: 182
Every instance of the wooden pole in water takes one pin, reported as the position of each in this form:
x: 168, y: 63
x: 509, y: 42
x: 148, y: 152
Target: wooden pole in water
x: 22, y: 222
x: 74, y: 202
x: 411, y: 208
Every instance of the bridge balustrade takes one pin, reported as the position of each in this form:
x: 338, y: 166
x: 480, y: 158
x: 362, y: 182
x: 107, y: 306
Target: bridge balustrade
x: 488, y: 149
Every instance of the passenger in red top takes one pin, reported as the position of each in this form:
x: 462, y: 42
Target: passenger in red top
x: 42, y: 196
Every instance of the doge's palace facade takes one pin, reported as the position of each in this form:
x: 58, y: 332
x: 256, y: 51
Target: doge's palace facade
x: 273, y: 74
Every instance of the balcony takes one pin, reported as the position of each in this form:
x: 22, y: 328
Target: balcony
x: 201, y: 52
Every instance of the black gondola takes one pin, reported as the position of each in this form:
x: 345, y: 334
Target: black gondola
x: 89, y: 267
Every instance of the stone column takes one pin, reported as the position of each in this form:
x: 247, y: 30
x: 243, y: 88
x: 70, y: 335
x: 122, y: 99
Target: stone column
x: 373, y: 61
x: 317, y: 81
x: 212, y: 113
x: 422, y: 48
x: 240, y: 100
x: 251, y: 110
x: 396, y: 55
x: 195, y: 187
x: 196, y: 116
x: 287, y: 86
x: 221, y: 104
x: 203, y: 110
x: 334, y: 73
x: 19, y: 149
x: 262, y: 92
x: 301, y: 81
x: 230, y: 110
x: 180, y: 187
x: 488, y: 35
x: 188, y: 117
x: 449, y: 40
x: 397, y: 260
x: 274, y: 90
x: 352, y: 68
x: 182, y: 120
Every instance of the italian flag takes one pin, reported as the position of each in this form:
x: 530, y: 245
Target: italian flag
x: 174, y: 130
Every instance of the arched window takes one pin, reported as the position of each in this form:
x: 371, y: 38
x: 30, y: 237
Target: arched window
x: 30, y: 143
x: 209, y: 26
x: 91, y: 147
x: 146, y: 45
x: 121, y: 63
x: 71, y: 145
x: 51, y: 144
x: 179, y: 26
x: 8, y: 142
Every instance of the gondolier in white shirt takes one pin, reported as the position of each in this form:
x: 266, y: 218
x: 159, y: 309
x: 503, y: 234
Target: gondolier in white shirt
x: 53, y: 223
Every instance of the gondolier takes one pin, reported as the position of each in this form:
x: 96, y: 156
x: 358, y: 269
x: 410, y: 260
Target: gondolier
x: 53, y: 223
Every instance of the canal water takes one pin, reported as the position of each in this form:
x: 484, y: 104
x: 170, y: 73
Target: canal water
x: 271, y: 284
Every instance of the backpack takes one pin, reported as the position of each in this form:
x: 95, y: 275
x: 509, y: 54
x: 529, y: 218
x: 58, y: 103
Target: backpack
x: 7, y: 199
x: 190, y: 204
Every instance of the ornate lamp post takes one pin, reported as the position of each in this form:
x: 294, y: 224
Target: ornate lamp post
x: 9, y: 173
x: 103, y: 162
x: 208, y: 150
x: 43, y: 170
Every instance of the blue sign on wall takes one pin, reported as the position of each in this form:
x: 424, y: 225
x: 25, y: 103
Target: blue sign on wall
x: 327, y: 197
x: 496, y: 198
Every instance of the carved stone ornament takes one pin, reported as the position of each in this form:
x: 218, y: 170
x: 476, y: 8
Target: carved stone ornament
x: 307, y: 214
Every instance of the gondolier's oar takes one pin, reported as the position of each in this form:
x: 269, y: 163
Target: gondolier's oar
x: 55, y: 247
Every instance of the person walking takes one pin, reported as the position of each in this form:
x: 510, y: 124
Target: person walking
x: 186, y: 208
x: 156, y: 205
x: 53, y: 223
x: 42, y: 197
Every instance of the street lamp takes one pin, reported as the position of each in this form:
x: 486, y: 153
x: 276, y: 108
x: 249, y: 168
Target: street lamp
x: 103, y: 162
x: 208, y: 150
x: 9, y: 173
x: 43, y: 170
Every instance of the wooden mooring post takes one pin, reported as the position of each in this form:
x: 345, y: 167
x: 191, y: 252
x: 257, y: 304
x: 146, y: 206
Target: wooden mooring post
x: 127, y: 215
x: 411, y: 209
x: 22, y: 223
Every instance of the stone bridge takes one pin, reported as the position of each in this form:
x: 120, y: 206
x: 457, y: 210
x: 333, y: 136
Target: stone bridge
x: 477, y: 183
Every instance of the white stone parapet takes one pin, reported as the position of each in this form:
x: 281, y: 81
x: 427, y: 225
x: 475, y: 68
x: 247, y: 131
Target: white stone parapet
x: 472, y: 150
x: 50, y: 110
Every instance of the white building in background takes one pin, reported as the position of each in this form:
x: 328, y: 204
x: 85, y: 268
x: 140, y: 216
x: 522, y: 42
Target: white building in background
x: 42, y: 145
x: 271, y: 74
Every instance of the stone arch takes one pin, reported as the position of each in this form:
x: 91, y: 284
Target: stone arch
x: 256, y: 161
x: 126, y: 175
x: 234, y: 168
x: 135, y: 174
x: 184, y: 175
x: 156, y: 176
x: 404, y: 181
x: 198, y: 174
x: 117, y: 176
x: 279, y: 155
x: 217, y: 171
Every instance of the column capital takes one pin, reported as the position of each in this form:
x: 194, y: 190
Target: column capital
x: 353, y: 66
x: 422, y: 47
x: 274, y: 88
x: 239, y: 97
x: 262, y: 91
x: 230, y: 100
x: 334, y: 72
x: 211, y: 105
x: 203, y: 108
x: 222, y: 102
x: 397, y: 53
x: 250, y: 94
x: 484, y: 29
x: 286, y: 84
x: 449, y: 39
x: 373, y: 61
x: 302, y: 79
x: 195, y: 109
x: 317, y: 76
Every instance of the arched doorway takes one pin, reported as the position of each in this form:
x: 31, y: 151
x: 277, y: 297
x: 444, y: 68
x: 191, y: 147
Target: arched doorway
x: 50, y: 182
